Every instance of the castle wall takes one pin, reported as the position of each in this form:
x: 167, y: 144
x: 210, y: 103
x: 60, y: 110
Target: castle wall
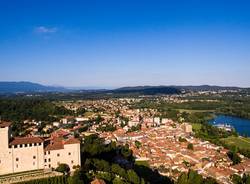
x: 5, y: 152
x: 70, y: 155
x: 27, y: 158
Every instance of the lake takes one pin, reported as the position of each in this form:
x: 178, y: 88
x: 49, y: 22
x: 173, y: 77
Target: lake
x: 241, y: 125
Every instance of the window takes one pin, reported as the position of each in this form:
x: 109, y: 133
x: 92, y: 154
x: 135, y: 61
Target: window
x: 49, y: 152
x: 45, y: 160
x: 34, y: 157
x: 72, y: 161
x: 21, y: 146
x: 30, y: 144
x: 10, y: 146
x: 40, y: 144
x: 49, y: 165
x: 69, y: 153
x: 26, y: 145
x: 35, y: 144
x: 17, y: 159
x: 58, y: 154
x: 49, y: 159
x: 15, y: 146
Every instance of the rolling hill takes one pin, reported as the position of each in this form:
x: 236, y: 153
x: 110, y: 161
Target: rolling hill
x: 24, y: 87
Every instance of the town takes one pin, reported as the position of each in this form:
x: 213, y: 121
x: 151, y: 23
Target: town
x: 164, y: 144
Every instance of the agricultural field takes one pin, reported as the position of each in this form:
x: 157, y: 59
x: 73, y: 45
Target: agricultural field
x: 240, y: 142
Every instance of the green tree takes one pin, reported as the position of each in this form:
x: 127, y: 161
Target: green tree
x: 192, y: 177
x: 183, y: 179
x: 182, y: 139
x: 236, y: 179
x: 234, y: 157
x: 210, y: 180
x: 77, y: 178
x: 118, y: 181
x: 137, y: 144
x: 101, y: 165
x: 116, y: 169
x: 105, y: 176
x: 126, y: 152
x: 63, y: 168
x: 133, y: 177
x: 190, y: 146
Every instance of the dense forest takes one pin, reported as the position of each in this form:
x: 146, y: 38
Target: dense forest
x: 230, y: 105
x: 17, y: 110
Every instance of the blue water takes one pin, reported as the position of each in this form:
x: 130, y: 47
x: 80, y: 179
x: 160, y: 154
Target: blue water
x: 241, y: 125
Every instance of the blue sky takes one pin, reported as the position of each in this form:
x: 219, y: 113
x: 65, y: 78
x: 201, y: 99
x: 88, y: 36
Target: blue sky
x: 115, y: 43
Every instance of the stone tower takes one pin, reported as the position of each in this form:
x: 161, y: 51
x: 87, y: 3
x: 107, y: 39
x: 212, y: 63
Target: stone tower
x: 5, y: 134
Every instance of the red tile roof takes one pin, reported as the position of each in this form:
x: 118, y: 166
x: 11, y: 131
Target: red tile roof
x: 4, y: 124
x: 54, y: 146
x: 58, y: 143
x: 26, y: 140
x: 98, y: 181
x: 72, y: 141
x: 60, y: 133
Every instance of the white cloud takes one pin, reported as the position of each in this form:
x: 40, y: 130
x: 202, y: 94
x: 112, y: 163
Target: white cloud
x: 45, y: 30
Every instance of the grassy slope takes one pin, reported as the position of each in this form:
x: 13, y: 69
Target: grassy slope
x: 193, y: 111
x: 196, y: 126
x: 240, y: 142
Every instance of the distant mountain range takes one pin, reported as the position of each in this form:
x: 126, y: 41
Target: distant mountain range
x: 25, y: 87
x: 178, y: 88
x: 207, y: 88
x: 29, y: 87
x: 148, y: 90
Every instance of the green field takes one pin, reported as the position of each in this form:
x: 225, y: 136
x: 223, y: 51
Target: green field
x: 196, y: 126
x: 88, y: 114
x: 240, y: 142
x: 193, y: 111
x: 144, y: 163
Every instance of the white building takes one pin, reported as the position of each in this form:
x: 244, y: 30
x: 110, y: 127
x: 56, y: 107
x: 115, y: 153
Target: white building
x: 18, y: 154
x: 133, y: 123
x: 56, y: 124
x: 59, y: 150
x: 187, y: 127
x: 166, y: 121
x: 157, y: 120
x: 81, y: 119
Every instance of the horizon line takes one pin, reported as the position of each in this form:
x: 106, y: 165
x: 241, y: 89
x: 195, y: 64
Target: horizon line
x: 121, y: 86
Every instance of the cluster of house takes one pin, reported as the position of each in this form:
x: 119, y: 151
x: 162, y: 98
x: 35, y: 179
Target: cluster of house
x: 32, y: 153
x: 165, y: 147
x: 37, y: 129
x: 110, y: 106
x: 163, y: 143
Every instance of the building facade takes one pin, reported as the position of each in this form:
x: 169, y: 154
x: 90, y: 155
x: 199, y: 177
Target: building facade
x: 18, y: 154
